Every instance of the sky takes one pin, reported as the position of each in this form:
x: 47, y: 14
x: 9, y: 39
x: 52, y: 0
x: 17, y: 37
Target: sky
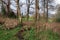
x: 23, y: 8
x: 57, y: 1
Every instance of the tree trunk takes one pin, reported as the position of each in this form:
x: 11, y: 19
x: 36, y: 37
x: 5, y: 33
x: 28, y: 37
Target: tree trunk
x: 44, y: 10
x: 28, y: 6
x: 18, y: 12
x: 47, y: 12
x: 36, y: 10
x: 8, y: 8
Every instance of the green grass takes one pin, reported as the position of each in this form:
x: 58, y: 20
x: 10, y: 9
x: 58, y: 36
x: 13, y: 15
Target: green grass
x: 8, y: 34
x: 41, y: 35
x: 29, y: 34
x: 30, y: 19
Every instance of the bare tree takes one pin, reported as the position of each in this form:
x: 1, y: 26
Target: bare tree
x: 28, y: 6
x: 57, y: 15
x: 8, y: 8
x: 48, y: 6
x: 44, y: 10
x: 18, y: 11
x: 36, y: 10
x: 47, y: 11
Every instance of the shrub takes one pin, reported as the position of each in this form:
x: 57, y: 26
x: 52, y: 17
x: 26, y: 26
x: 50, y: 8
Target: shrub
x: 57, y: 20
x: 12, y: 15
x: 3, y: 11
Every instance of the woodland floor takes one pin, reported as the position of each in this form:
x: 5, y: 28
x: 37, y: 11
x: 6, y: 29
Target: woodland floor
x: 31, y: 31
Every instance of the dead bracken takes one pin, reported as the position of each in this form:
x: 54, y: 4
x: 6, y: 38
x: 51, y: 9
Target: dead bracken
x: 8, y: 23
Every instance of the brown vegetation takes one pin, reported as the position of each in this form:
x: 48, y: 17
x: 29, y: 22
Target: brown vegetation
x: 53, y: 26
x: 12, y: 23
x: 8, y: 23
x: 2, y: 20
